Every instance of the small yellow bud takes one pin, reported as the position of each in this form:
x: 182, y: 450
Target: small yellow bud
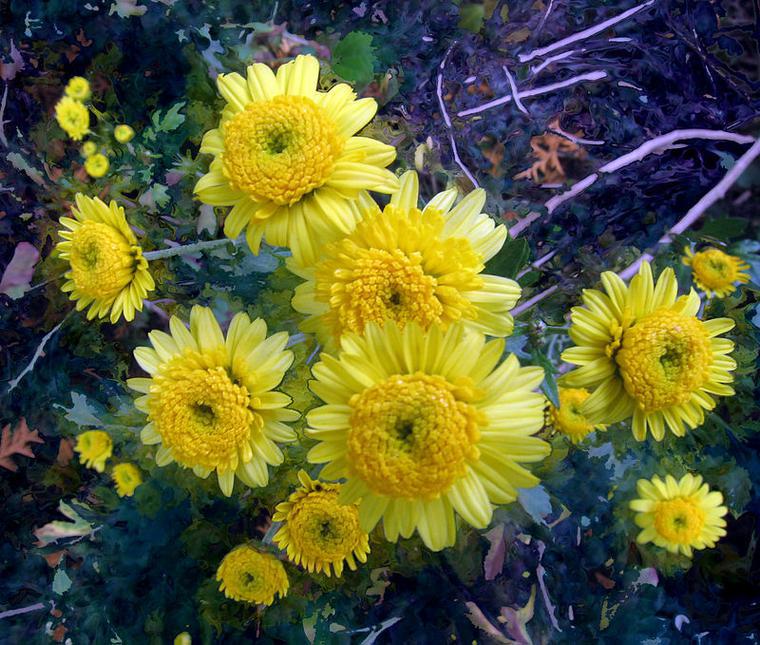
x: 89, y: 148
x: 78, y: 89
x: 183, y: 639
x: 96, y: 165
x: 123, y: 133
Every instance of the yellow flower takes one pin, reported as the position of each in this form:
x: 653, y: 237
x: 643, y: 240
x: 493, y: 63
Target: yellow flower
x: 715, y: 272
x: 94, y: 448
x: 286, y: 160
x: 78, y: 89
x: 96, y: 165
x: 679, y: 515
x: 210, y: 400
x: 425, y: 423
x: 648, y: 355
x: 127, y: 478
x: 123, y: 133
x: 89, y: 148
x: 568, y: 418
x: 183, y: 639
x: 248, y: 575
x: 73, y: 117
x: 318, y: 531
x: 406, y: 264
x: 108, y: 271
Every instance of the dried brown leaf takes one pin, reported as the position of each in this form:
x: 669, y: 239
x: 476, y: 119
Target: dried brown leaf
x: 17, y: 443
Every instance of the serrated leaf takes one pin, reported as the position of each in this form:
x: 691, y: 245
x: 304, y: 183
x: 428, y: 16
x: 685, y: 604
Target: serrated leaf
x: 354, y: 57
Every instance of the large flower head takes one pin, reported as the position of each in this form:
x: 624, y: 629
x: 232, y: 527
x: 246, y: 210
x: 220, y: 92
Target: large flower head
x: 423, y: 423
x: 410, y: 265
x: 95, y: 448
x: 286, y: 160
x: 108, y: 271
x: 715, y: 272
x: 73, y: 117
x: 679, y: 515
x: 318, y: 531
x: 646, y: 355
x: 210, y: 399
x: 249, y: 575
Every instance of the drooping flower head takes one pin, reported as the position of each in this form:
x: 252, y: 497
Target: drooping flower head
x: 410, y: 265
x: 568, y: 418
x: 646, y: 355
x: 127, y: 478
x: 318, y: 531
x: 249, y: 575
x: 210, y: 400
x: 715, y: 272
x: 78, y: 88
x: 286, y: 160
x: 95, y: 448
x: 97, y: 165
x: 73, y: 117
x: 108, y: 271
x: 679, y: 515
x: 425, y: 423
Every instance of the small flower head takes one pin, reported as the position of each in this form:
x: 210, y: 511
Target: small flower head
x: 183, y: 638
x: 249, y: 575
x: 123, y: 133
x: 568, y: 418
x: 108, y: 271
x: 715, y: 272
x: 319, y: 532
x: 89, y: 148
x: 73, y: 117
x: 127, y: 478
x: 96, y: 165
x: 94, y: 448
x: 679, y: 515
x: 78, y: 88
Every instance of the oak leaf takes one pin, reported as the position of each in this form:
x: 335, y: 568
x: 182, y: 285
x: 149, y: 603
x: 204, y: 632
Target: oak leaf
x: 17, y: 443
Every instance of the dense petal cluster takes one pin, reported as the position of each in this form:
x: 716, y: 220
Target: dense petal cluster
x: 410, y: 265
x: 95, y: 448
x: 210, y: 399
x: 319, y: 532
x: 78, y: 88
x: 715, y: 272
x: 679, y: 515
x: 249, y: 575
x: 127, y: 478
x: 568, y: 418
x: 73, y: 117
x: 423, y: 423
x: 108, y: 271
x: 286, y: 158
x: 646, y: 355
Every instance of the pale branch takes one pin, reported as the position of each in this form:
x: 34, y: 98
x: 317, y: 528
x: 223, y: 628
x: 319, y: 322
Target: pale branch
x: 513, y: 88
x: 37, y: 354
x: 544, y: 17
x: 22, y: 610
x: 447, y: 119
x: 578, y: 140
x: 538, y: 263
x: 188, y: 249
x: 586, y: 33
x: 520, y: 309
x: 717, y: 193
x: 596, y: 75
x: 553, y: 59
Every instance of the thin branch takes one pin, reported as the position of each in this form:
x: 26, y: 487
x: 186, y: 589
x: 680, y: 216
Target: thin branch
x: 586, y: 33
x: 544, y: 17
x: 3, y: 139
x: 717, y: 193
x: 596, y: 75
x: 513, y: 88
x: 37, y: 354
x: 578, y: 140
x: 521, y: 309
x: 553, y: 59
x: 22, y: 610
x: 188, y: 249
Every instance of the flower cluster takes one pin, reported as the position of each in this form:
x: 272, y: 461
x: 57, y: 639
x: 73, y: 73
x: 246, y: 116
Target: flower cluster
x: 95, y: 448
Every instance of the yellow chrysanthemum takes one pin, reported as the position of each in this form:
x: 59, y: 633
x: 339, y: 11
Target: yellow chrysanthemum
x: 425, y: 423
x: 248, y: 575
x: 715, y: 272
x: 123, y: 133
x: 73, y: 117
x: 183, y: 638
x: 97, y: 165
x: 94, y: 448
x: 78, y: 88
x: 647, y: 355
x: 319, y: 532
x: 679, y: 515
x: 568, y: 418
x: 286, y: 160
x: 127, y: 478
x: 406, y: 264
x: 210, y: 400
x: 108, y: 270
x: 89, y: 148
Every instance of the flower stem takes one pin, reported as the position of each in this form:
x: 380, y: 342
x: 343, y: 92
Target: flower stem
x: 187, y: 249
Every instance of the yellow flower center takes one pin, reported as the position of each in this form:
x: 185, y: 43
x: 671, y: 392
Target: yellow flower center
x: 102, y: 260
x: 321, y: 529
x: 664, y: 358
x: 412, y: 435
x: 714, y: 269
x: 280, y: 150
x: 251, y: 576
x: 679, y: 520
x: 203, y: 416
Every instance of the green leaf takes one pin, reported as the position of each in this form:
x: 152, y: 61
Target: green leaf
x: 61, y: 582
x: 354, y: 57
x: 724, y: 228
x: 549, y: 386
x: 171, y: 121
x: 512, y: 257
x: 471, y: 17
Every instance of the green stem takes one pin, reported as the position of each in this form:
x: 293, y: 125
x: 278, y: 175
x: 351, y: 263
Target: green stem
x: 187, y: 249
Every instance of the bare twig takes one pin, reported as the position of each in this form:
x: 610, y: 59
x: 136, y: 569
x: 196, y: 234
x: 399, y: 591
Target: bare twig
x: 544, y: 17
x: 513, y: 88
x: 22, y: 610
x: 586, y: 33
x: 520, y: 309
x: 3, y: 139
x: 37, y: 354
x: 554, y: 59
x: 188, y: 249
